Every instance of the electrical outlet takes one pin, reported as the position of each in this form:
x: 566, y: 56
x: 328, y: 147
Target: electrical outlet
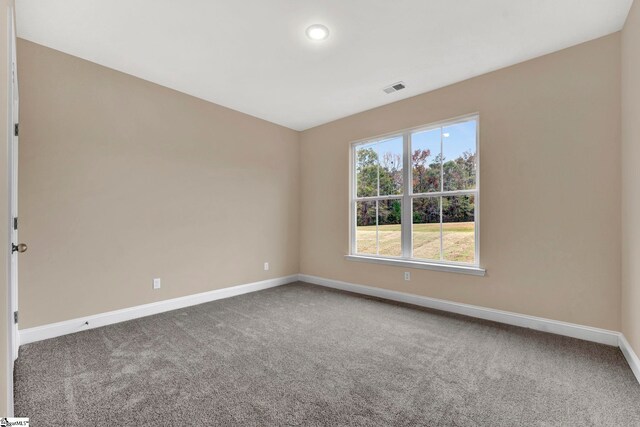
x: 156, y: 283
x: 407, y: 275
x: 266, y: 266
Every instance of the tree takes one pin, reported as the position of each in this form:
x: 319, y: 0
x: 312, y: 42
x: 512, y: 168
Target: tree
x: 390, y: 174
x: 367, y: 172
x: 427, y: 170
x: 426, y: 176
x: 460, y: 174
x: 457, y: 209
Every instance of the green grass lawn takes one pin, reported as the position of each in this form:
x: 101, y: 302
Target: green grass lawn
x: 458, y: 241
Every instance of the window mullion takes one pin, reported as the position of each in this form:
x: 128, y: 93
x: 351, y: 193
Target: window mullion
x: 441, y: 191
x: 353, y: 203
x: 441, y: 245
x: 378, y: 169
x: 406, y: 227
x: 374, y: 198
x: 446, y: 193
x: 377, y: 228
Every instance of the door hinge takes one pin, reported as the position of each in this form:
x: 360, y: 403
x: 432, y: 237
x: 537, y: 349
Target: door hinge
x: 16, y: 129
x: 15, y: 223
x: 15, y: 317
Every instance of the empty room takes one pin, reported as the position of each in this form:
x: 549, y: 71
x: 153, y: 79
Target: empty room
x: 320, y: 213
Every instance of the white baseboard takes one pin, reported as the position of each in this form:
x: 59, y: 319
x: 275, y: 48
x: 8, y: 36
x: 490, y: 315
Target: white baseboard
x: 587, y: 333
x: 53, y: 330
x: 602, y: 336
x: 631, y: 356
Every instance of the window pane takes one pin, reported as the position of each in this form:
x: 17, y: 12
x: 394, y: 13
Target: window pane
x: 458, y: 228
x: 425, y: 161
x: 390, y: 155
x: 366, y: 231
x: 459, y: 156
x: 389, y: 224
x: 426, y: 228
x: 366, y: 170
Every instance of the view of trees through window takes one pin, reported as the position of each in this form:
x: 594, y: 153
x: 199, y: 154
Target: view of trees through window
x: 441, y: 193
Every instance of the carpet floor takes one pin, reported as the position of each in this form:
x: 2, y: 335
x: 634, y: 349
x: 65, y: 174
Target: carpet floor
x: 305, y: 355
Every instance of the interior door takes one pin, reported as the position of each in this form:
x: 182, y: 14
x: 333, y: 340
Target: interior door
x: 13, y: 207
x: 13, y: 194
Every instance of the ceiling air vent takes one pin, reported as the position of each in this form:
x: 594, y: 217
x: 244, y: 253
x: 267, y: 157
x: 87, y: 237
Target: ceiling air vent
x: 394, y: 87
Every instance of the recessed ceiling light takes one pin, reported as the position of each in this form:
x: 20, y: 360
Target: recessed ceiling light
x: 317, y: 32
x: 446, y: 135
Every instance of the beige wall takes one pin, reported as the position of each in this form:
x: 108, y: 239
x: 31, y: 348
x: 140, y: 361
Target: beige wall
x: 122, y: 180
x: 631, y: 178
x: 109, y: 160
x: 550, y: 172
x: 5, y: 63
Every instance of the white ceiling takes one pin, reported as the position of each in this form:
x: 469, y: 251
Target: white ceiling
x: 253, y: 55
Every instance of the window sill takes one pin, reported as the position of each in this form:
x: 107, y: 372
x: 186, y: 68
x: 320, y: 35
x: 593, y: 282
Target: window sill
x: 475, y: 271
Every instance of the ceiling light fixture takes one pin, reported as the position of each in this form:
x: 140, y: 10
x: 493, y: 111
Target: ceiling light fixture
x: 317, y: 32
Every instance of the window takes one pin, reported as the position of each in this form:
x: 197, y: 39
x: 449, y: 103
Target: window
x: 414, y: 197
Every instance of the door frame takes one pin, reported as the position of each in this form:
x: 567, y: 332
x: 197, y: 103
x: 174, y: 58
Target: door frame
x: 12, y: 264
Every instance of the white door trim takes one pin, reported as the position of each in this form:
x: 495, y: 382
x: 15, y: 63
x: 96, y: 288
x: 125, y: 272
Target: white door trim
x: 12, y: 115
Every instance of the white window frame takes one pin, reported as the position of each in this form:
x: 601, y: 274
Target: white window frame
x: 407, y: 201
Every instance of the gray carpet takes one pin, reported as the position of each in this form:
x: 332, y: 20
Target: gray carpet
x: 306, y: 355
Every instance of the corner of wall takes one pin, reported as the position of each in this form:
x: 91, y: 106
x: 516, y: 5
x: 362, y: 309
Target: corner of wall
x: 630, y: 204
